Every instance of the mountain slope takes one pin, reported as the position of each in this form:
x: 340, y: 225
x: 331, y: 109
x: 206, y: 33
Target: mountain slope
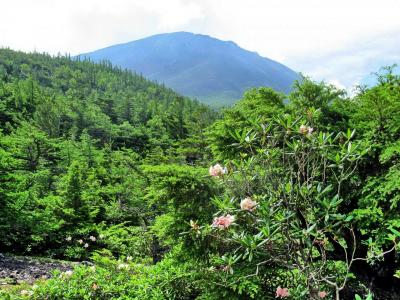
x: 214, y: 71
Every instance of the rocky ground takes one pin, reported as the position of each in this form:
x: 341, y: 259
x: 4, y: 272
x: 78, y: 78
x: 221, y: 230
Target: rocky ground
x: 17, y: 270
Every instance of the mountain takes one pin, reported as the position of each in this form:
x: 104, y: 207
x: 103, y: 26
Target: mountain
x: 213, y: 71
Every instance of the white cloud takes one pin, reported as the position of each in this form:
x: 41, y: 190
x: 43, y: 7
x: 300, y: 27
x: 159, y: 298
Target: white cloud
x: 333, y: 40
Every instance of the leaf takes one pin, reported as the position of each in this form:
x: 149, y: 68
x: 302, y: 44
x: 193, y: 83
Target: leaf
x: 309, y: 229
x: 394, y: 231
x: 349, y: 218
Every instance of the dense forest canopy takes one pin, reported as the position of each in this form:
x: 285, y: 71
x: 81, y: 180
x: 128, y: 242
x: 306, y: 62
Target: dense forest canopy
x: 277, y: 197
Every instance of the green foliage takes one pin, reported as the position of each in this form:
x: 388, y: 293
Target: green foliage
x: 73, y: 138
x: 100, y: 164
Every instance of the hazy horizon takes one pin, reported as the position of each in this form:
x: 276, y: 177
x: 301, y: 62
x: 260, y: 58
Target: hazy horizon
x: 323, y: 40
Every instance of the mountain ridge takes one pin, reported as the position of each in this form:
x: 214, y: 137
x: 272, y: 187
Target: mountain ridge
x: 199, y: 66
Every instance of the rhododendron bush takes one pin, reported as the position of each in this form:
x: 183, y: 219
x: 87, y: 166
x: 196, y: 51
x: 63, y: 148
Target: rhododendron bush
x: 280, y: 205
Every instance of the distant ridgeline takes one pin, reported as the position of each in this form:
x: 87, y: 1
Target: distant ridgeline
x: 64, y: 97
x: 213, y: 71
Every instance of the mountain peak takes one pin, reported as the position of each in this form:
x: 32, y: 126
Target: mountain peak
x: 214, y: 71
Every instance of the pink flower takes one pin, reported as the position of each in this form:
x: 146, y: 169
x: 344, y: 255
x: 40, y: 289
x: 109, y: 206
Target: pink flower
x: 322, y: 294
x: 223, y: 222
x: 282, y: 292
x: 217, y: 170
x: 248, y: 204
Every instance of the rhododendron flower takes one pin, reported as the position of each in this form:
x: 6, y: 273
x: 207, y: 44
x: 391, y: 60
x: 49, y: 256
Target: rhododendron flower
x: 123, y: 266
x: 80, y: 241
x: 68, y: 238
x: 248, y: 204
x: 92, y: 238
x: 217, y: 170
x: 86, y: 245
x: 322, y: 294
x: 223, y: 221
x: 282, y: 292
x: 306, y: 130
x: 303, y: 129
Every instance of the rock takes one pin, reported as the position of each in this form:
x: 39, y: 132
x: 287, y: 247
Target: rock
x: 25, y: 269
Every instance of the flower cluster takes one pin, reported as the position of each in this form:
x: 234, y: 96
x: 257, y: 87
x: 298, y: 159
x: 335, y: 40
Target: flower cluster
x: 223, y: 222
x: 123, y: 266
x: 322, y: 294
x: 248, y: 204
x: 66, y: 274
x: 82, y: 242
x: 217, y: 170
x: 282, y: 292
x: 26, y: 293
x: 306, y: 130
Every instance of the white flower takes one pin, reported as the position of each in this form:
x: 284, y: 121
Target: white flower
x: 123, y: 266
x: 217, y: 170
x: 68, y: 273
x: 24, y: 293
x: 92, y: 238
x: 306, y: 130
x: 93, y: 268
x: 248, y: 204
x: 86, y: 245
x: 303, y: 129
x: 80, y: 241
x: 129, y: 258
x: 68, y: 238
x: 310, y: 131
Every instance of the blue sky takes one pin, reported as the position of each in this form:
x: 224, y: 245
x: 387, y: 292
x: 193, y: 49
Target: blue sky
x: 337, y: 41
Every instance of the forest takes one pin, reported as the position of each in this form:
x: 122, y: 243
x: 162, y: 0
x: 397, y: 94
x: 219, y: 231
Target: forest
x: 278, y: 197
